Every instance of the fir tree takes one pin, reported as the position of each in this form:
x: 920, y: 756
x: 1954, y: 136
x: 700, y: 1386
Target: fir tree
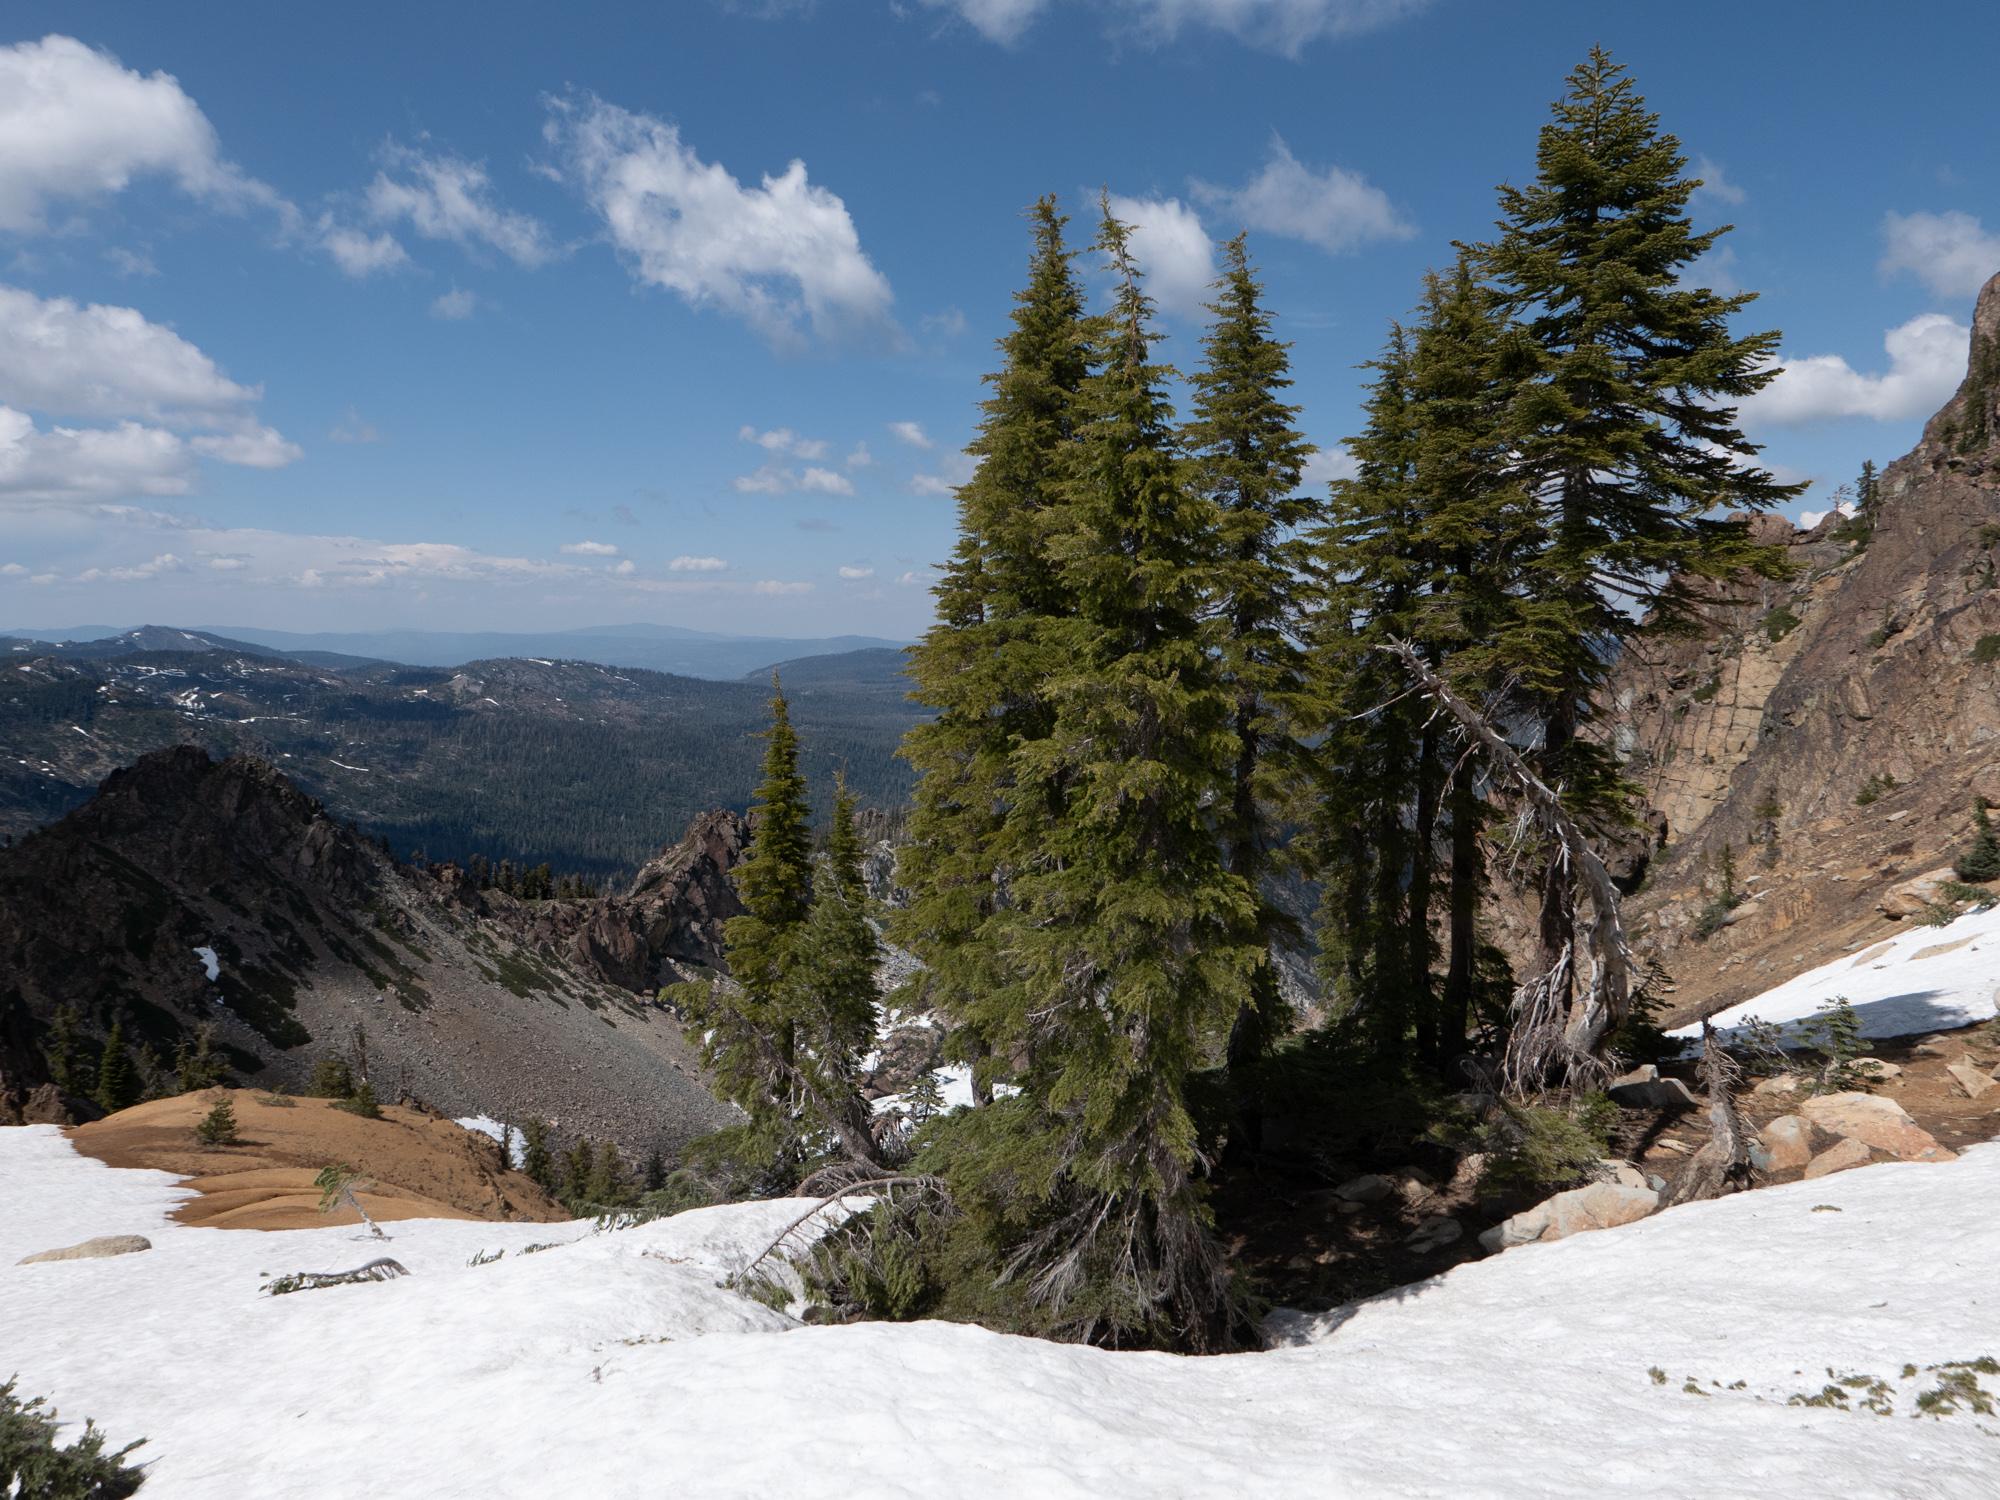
x: 1131, y: 936
x: 1248, y: 457
x: 1981, y: 862
x: 536, y: 1161
x: 830, y: 996
x: 118, y: 1084
x: 61, y: 1049
x: 655, y: 1175
x: 607, y: 1187
x: 579, y: 1165
x: 218, y: 1126
x: 982, y: 665
x: 197, y: 1067
x: 1624, y: 432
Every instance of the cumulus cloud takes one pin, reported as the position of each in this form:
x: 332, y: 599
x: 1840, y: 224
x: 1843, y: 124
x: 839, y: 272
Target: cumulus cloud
x: 455, y: 305
x: 849, y: 572
x: 948, y: 324
x: 1172, y: 249
x: 76, y: 125
x: 778, y: 479
x: 1951, y: 253
x: 129, y: 263
x: 912, y: 433
x: 784, y: 256
x: 1926, y: 362
x: 359, y: 253
x: 1334, y: 209
x: 444, y: 197
x: 1715, y: 183
x: 825, y: 482
x: 589, y: 549
x: 1326, y: 466
x: 353, y: 428
x: 625, y: 568
x: 1283, y: 26
x: 170, y: 403
x: 860, y: 458
x: 953, y: 472
x: 686, y: 564
x: 780, y: 586
x: 782, y: 440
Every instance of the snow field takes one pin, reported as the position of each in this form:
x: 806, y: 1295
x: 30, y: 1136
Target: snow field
x: 614, y: 1364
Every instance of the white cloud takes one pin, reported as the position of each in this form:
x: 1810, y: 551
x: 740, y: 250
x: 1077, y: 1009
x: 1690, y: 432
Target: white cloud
x: 455, y: 305
x: 1283, y: 26
x: 784, y: 256
x: 1334, y: 209
x: 779, y: 586
x: 912, y: 433
x: 860, y: 458
x: 130, y: 263
x: 1951, y: 253
x: 444, y: 197
x: 1330, y: 463
x: 359, y: 253
x: 947, y: 324
x: 76, y: 125
x: 853, y: 573
x: 164, y: 562
x: 13, y: 570
x: 782, y: 440
x: 170, y: 403
x: 826, y: 482
x: 1172, y: 249
x: 625, y: 568
x: 1926, y: 362
x: 1716, y: 184
x: 352, y: 428
x: 589, y: 549
x: 697, y: 565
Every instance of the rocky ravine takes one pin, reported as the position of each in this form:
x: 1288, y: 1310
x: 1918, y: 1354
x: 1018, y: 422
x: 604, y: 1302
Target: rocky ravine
x: 1777, y: 735
x: 190, y: 891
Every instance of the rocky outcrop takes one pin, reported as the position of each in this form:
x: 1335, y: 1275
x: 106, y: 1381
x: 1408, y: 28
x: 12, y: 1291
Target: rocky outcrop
x: 1832, y: 729
x: 1602, y: 1205
x: 103, y: 1247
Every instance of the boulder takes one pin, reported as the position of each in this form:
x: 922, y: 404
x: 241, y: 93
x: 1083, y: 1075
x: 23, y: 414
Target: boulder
x: 1874, y: 1121
x: 100, y: 1248
x: 1651, y: 1093
x: 1908, y: 897
x: 1372, y: 1188
x: 1621, y: 1171
x: 1969, y: 1080
x: 1777, y: 1085
x: 1434, y: 1234
x: 1838, y: 1158
x: 1876, y: 1068
x: 1602, y: 1205
x: 1783, y: 1144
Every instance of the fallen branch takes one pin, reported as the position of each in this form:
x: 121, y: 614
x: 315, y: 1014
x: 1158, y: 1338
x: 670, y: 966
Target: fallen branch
x: 846, y: 1190
x: 383, y: 1269
x: 1723, y: 1165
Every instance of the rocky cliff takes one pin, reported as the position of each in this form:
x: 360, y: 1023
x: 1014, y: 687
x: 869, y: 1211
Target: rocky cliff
x: 1829, y: 734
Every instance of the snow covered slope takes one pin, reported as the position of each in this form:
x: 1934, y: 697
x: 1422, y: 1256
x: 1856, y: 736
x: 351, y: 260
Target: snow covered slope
x: 1922, y: 979
x: 613, y: 1364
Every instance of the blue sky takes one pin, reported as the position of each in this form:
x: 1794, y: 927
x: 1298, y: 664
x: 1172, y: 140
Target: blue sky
x: 511, y: 315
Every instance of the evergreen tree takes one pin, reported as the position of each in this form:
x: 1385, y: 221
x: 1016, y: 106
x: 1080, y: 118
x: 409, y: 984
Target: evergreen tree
x: 61, y: 1048
x: 197, y: 1067
x: 1131, y: 936
x: 656, y: 1171
x: 748, y: 1030
x: 1624, y: 432
x: 1248, y: 458
x: 578, y: 1167
x: 982, y: 665
x: 607, y: 1187
x: 1981, y: 862
x: 536, y: 1161
x: 831, y: 996
x: 218, y: 1126
x: 117, y: 1081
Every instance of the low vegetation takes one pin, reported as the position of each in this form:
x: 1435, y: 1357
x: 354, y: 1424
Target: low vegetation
x: 34, y: 1465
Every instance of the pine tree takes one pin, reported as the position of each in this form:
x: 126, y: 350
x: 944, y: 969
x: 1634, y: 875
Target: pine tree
x: 1248, y: 458
x: 61, y: 1048
x: 830, y: 998
x: 748, y: 1030
x: 536, y: 1161
x: 117, y: 1081
x: 1131, y: 936
x: 197, y: 1067
x: 981, y: 666
x: 1981, y: 862
x: 218, y: 1126
x: 607, y: 1187
x: 1625, y: 433
x: 656, y: 1171
x: 578, y: 1166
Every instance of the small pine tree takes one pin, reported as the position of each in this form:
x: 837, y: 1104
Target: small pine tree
x: 607, y: 1187
x: 117, y: 1080
x: 197, y: 1067
x: 656, y: 1171
x: 578, y: 1166
x: 361, y: 1102
x: 536, y: 1160
x: 60, y: 1050
x: 332, y: 1078
x: 925, y: 1098
x: 33, y: 1464
x: 218, y: 1126
x: 1981, y: 862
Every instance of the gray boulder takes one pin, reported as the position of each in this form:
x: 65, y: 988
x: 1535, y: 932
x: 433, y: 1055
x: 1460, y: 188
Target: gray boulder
x: 101, y: 1248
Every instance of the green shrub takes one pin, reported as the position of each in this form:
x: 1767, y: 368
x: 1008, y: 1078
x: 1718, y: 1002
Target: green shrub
x: 1709, y: 688
x: 1535, y: 1151
x: 218, y: 1126
x: 33, y: 1465
x: 1834, y: 1032
x: 1986, y: 650
x: 361, y: 1102
x: 1873, y: 788
x: 1981, y: 862
x: 1780, y: 623
x: 332, y: 1079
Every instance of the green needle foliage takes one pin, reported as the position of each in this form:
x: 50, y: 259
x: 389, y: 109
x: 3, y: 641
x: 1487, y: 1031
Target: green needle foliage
x: 118, y: 1085
x: 1981, y: 862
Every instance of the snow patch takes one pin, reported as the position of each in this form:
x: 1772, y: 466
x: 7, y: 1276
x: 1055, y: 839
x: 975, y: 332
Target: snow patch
x: 486, y: 1125
x: 210, y: 964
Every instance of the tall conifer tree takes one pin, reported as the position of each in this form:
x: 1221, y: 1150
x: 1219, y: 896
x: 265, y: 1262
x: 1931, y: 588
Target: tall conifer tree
x: 831, y: 1000
x: 982, y: 665
x: 1247, y: 461
x: 1625, y: 433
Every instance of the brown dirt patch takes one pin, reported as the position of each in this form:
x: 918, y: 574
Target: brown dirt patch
x: 419, y: 1165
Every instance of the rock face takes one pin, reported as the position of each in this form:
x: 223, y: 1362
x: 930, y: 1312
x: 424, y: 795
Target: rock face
x: 192, y: 892
x: 1602, y: 1205
x: 1834, y: 728
x: 1877, y: 1122
x: 101, y: 1248
x: 1970, y: 1081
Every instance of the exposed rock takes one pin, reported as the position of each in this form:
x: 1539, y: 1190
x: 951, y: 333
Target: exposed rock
x: 1777, y: 1085
x: 1372, y: 1188
x: 1876, y: 1068
x: 1601, y: 1205
x: 1838, y: 1158
x: 1874, y: 1121
x: 1908, y: 897
x: 1434, y: 1234
x: 1653, y: 1093
x: 1970, y: 1081
x: 46, y: 1106
x: 1622, y: 1171
x: 102, y: 1247
x: 1783, y: 1145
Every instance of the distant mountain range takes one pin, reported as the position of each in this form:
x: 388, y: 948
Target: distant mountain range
x: 656, y: 648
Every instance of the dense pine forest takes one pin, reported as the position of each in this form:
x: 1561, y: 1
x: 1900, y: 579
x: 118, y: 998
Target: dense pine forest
x: 1161, y: 675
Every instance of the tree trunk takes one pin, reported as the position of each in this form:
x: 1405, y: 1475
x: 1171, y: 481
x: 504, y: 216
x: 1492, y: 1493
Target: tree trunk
x: 1467, y: 875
